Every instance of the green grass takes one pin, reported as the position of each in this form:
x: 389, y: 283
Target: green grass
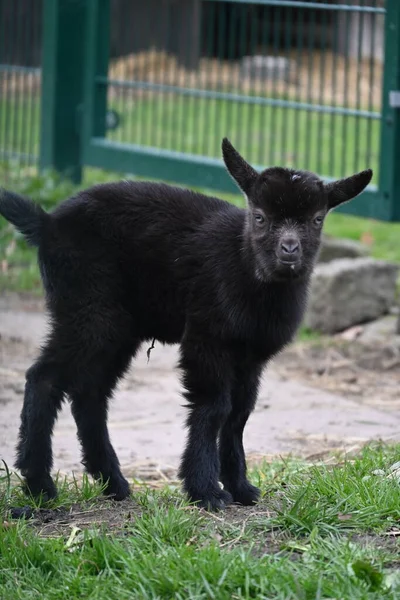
x: 329, y: 145
x: 264, y: 135
x: 383, y: 237
x: 320, y: 531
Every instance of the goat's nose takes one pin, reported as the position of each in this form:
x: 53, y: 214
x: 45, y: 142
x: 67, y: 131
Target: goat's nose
x: 290, y: 246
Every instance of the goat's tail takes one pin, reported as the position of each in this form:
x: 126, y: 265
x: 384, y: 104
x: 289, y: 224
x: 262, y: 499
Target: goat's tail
x: 27, y: 216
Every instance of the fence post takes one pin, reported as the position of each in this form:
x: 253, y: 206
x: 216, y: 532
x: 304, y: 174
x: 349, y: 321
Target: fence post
x: 390, y: 132
x: 64, y: 25
x: 97, y: 34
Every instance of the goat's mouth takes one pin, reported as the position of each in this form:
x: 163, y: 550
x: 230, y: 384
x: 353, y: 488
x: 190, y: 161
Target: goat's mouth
x: 289, y: 265
x: 289, y: 269
x: 293, y: 264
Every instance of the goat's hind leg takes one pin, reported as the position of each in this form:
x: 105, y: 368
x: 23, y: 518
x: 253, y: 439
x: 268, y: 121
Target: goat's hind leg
x: 42, y: 401
x: 89, y: 408
x: 89, y: 402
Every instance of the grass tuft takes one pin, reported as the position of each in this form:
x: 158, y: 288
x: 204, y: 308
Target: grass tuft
x: 320, y: 531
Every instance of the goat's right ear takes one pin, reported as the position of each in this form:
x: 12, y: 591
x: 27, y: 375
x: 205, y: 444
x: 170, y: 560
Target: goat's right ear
x: 348, y: 188
x: 243, y: 174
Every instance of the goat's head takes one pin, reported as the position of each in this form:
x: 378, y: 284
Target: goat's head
x: 286, y: 211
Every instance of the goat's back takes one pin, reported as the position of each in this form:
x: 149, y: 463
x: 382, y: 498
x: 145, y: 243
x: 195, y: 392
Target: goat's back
x: 140, y: 246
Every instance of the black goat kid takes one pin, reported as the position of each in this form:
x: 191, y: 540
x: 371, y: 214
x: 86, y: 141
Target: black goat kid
x: 123, y: 263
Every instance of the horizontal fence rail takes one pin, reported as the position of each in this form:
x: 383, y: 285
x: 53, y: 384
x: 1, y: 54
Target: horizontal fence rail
x: 311, y: 5
x: 199, y: 93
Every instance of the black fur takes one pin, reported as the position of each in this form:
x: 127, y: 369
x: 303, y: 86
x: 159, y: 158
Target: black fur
x: 124, y: 263
x: 29, y: 218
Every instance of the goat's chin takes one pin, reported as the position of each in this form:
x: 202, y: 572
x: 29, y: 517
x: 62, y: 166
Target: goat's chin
x: 288, y: 274
x: 281, y: 272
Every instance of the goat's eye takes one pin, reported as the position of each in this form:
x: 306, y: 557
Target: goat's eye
x: 259, y: 218
x: 318, y: 220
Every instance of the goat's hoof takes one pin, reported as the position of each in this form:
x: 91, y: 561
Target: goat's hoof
x: 21, y: 512
x: 118, y: 488
x: 213, y: 500
x: 43, y: 488
x: 246, y: 494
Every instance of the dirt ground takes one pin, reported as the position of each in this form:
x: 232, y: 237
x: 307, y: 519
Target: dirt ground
x: 314, y: 398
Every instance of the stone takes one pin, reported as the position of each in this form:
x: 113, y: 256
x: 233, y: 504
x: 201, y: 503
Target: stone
x: 379, y: 472
x: 267, y: 67
x: 333, y: 248
x: 380, y: 331
x: 347, y: 292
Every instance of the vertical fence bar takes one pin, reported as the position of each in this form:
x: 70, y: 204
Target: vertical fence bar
x: 14, y: 81
x: 24, y: 91
x: 33, y: 106
x: 310, y: 141
x: 241, y: 106
x: 218, y: 48
x: 345, y: 101
x: 322, y: 120
x: 390, y: 130
x: 370, y: 124
x: 96, y: 65
x: 141, y: 96
x: 62, y: 85
x: 253, y: 110
x: 9, y: 115
x: 263, y: 147
x: 274, y: 110
x: 207, y: 80
x: 231, y: 39
x: 288, y: 115
x: 333, y: 144
x: 297, y: 142
x: 222, y: 37
x: 3, y: 75
x: 358, y: 122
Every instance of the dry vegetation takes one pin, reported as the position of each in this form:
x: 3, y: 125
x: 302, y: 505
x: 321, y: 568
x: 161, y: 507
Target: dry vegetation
x: 319, y: 78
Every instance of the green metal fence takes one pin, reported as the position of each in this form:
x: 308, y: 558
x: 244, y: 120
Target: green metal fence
x: 151, y: 88
x: 20, y: 41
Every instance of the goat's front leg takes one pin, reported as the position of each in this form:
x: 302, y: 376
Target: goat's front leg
x: 208, y: 382
x: 232, y: 455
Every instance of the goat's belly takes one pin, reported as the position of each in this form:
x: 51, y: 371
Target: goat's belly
x: 163, y: 325
x: 168, y: 333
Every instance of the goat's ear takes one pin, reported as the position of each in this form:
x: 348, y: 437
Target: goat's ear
x: 344, y: 190
x: 243, y: 174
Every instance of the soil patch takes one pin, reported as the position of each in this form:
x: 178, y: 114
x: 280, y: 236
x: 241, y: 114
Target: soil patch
x: 368, y: 372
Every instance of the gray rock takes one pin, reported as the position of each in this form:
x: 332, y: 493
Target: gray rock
x: 381, y: 331
x: 333, y: 248
x: 346, y: 292
x: 267, y: 67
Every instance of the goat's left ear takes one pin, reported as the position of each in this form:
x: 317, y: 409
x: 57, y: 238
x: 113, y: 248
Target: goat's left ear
x: 243, y: 174
x: 344, y: 190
